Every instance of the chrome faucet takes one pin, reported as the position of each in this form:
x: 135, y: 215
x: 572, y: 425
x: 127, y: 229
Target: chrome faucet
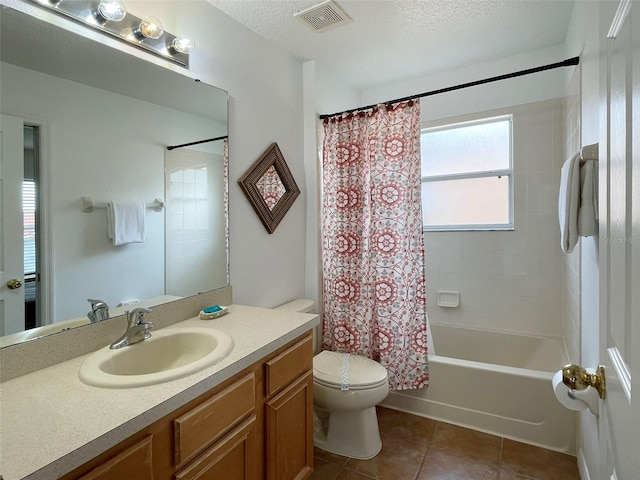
x: 137, y: 328
x: 99, y: 310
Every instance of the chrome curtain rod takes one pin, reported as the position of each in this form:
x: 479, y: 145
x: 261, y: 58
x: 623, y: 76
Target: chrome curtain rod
x: 171, y: 147
x: 566, y: 63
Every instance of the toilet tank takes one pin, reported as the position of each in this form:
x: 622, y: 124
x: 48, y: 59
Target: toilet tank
x: 304, y: 305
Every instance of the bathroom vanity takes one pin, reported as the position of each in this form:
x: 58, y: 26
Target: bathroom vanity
x: 247, y: 417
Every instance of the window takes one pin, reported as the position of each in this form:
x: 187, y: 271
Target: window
x: 467, y: 175
x: 31, y: 226
x: 29, y: 212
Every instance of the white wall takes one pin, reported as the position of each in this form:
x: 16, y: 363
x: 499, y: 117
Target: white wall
x: 265, y: 87
x: 525, y: 89
x: 517, y: 91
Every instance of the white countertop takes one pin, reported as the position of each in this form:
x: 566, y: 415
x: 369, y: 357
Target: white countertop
x: 51, y: 422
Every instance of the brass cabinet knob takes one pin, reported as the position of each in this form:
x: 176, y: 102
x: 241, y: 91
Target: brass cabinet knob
x: 14, y: 283
x: 578, y: 378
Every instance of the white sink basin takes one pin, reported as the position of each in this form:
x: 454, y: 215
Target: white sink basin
x: 38, y: 332
x: 169, y: 354
x: 56, y: 327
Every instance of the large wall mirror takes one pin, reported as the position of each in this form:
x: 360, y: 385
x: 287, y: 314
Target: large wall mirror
x: 81, y: 118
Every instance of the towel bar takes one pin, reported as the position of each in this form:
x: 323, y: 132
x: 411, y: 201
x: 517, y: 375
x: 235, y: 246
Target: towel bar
x: 589, y: 152
x: 88, y: 205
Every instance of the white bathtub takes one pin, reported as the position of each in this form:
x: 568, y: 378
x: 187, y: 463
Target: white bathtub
x: 494, y: 382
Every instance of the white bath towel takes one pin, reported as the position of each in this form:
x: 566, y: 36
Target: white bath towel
x: 578, y: 201
x: 588, y: 209
x: 568, y: 203
x: 125, y: 222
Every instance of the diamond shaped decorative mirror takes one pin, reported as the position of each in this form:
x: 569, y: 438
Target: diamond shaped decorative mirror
x: 270, y: 187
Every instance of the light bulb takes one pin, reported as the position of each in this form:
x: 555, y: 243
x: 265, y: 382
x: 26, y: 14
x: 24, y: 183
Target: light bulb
x: 183, y: 45
x: 112, y: 10
x: 151, y: 27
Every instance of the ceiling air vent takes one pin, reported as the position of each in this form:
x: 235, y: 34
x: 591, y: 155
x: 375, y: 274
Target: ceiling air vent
x: 323, y: 17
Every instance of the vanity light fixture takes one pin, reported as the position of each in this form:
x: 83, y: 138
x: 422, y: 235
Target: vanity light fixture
x: 111, y: 17
x: 183, y: 45
x: 111, y: 10
x: 150, y: 27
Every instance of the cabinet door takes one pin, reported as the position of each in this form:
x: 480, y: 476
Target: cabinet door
x: 134, y: 463
x: 289, y: 437
x: 228, y: 459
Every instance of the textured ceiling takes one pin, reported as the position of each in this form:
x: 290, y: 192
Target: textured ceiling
x: 400, y: 39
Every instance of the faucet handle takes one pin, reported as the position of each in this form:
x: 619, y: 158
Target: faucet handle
x: 137, y: 315
x: 99, y: 310
x: 137, y: 329
x: 96, y: 304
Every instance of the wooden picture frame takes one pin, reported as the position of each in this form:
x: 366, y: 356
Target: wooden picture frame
x: 270, y: 187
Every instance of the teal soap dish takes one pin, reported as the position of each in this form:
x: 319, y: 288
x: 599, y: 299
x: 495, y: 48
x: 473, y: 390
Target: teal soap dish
x: 212, y: 312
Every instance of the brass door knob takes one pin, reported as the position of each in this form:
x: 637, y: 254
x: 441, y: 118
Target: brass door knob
x: 578, y: 378
x: 14, y: 283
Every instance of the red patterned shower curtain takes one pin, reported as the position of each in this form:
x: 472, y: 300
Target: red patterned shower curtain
x: 372, y: 243
x: 225, y: 157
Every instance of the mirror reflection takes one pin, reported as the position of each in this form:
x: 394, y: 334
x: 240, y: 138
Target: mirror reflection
x: 271, y: 187
x: 81, y: 119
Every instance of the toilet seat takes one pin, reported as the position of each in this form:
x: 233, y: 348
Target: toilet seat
x: 363, y: 373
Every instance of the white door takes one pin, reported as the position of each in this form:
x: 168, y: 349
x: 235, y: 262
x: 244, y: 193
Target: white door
x: 11, y: 225
x: 619, y: 421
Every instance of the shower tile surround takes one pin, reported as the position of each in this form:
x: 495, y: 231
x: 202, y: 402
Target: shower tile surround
x: 418, y: 448
x: 510, y: 280
x: 571, y: 310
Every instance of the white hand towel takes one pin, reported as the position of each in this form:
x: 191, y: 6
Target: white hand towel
x: 587, y: 213
x: 568, y: 203
x: 125, y: 222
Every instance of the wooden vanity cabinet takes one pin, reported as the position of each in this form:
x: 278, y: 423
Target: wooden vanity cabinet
x: 289, y: 413
x: 133, y: 462
x: 213, y: 433
x: 199, y: 427
x: 216, y: 439
x: 289, y: 427
x: 255, y: 426
x: 229, y: 459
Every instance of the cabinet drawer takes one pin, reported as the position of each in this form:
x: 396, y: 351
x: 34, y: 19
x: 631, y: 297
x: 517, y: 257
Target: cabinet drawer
x: 134, y: 463
x: 281, y: 370
x: 197, y: 429
x: 227, y: 459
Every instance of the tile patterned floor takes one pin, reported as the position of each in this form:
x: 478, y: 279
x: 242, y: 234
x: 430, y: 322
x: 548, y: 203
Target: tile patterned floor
x: 417, y: 448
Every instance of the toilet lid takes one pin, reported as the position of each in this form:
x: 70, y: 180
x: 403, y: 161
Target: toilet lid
x: 329, y: 368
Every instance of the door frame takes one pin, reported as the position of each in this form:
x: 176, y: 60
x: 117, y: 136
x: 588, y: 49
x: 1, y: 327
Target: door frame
x: 618, y: 423
x: 45, y: 248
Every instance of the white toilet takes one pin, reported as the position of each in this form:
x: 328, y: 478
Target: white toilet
x: 346, y: 389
